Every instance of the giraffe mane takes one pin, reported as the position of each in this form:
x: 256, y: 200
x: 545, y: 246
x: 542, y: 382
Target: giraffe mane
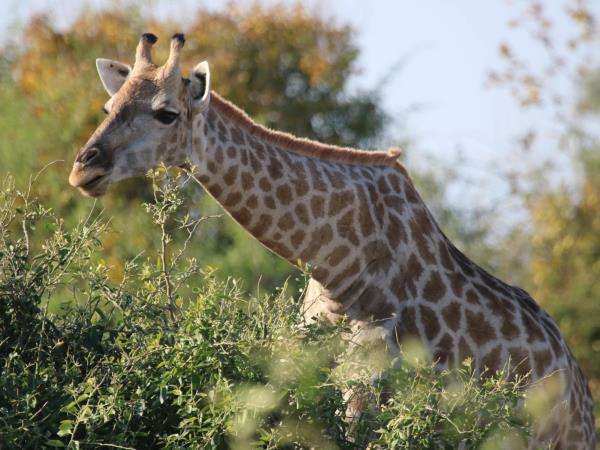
x: 304, y: 146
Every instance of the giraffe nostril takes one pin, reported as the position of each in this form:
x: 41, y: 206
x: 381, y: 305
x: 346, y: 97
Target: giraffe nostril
x: 89, y: 156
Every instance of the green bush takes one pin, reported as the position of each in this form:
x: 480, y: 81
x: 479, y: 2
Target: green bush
x: 173, y: 358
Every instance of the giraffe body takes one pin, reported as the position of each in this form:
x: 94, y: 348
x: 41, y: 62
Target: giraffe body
x: 375, y: 254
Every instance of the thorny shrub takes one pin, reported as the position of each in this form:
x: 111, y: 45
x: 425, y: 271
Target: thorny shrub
x: 172, y: 358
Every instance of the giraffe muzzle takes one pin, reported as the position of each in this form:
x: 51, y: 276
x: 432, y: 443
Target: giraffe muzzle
x: 91, y: 183
x: 90, y: 173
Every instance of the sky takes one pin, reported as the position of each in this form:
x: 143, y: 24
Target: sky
x: 439, y: 53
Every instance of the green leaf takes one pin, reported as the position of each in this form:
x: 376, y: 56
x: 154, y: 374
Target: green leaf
x: 71, y: 408
x: 65, y: 432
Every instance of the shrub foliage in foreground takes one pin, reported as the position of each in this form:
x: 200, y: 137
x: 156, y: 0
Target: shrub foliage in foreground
x: 172, y: 358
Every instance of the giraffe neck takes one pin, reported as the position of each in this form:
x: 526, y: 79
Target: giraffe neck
x: 357, y: 221
x: 345, y: 215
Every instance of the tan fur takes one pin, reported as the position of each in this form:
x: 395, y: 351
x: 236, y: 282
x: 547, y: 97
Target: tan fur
x: 304, y: 146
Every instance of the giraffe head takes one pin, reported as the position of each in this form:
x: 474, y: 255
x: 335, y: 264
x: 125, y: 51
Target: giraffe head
x: 149, y: 116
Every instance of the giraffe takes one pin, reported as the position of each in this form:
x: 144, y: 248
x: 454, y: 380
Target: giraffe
x: 375, y: 253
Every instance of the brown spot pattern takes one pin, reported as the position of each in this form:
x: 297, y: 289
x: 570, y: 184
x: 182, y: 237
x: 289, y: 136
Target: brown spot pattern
x: 542, y: 361
x: 509, y: 330
x: 336, y: 179
x: 316, y: 177
x: 491, y: 361
x: 338, y: 254
x: 297, y: 238
x: 231, y: 152
x: 339, y: 201
x: 407, y: 326
x: 378, y: 256
x: 215, y: 190
x: 265, y: 185
x: 411, y: 193
x: 242, y: 215
x: 394, y: 202
x: 254, y: 162
x: 472, y: 297
x: 414, y: 268
x: 278, y: 247
x: 480, y: 330
x: 219, y: 154
x: 284, y: 194
x: 286, y: 222
x: 421, y: 228
x: 247, y: 181
x: 434, y: 289
x: 263, y: 225
x: 301, y: 187
x: 320, y: 274
x: 252, y: 201
x: 519, y: 361
x: 464, y: 351
x: 275, y: 168
x: 232, y: 199
x: 452, y: 315
x: 457, y: 283
x: 382, y: 185
x: 367, y: 226
x: 430, y: 322
x: 396, y: 233
x: 532, y: 328
x: 372, y: 304
x: 445, y: 256
x: 443, y: 349
x: 231, y: 175
x: 244, y: 156
x: 237, y: 136
x: 395, y: 182
x: 269, y: 202
x: 345, y: 227
x: 302, y: 213
x: 317, y: 206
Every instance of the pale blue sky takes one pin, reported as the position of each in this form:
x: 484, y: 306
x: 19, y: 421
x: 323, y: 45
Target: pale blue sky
x: 448, y: 48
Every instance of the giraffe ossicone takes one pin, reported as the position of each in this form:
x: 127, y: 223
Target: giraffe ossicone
x: 376, y: 254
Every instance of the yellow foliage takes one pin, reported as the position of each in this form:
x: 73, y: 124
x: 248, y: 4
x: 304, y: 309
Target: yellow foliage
x: 565, y: 265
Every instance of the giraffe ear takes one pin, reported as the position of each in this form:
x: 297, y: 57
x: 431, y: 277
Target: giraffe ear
x: 200, y: 84
x: 112, y: 74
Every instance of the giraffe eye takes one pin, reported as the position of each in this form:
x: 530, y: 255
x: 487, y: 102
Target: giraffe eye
x: 165, y: 116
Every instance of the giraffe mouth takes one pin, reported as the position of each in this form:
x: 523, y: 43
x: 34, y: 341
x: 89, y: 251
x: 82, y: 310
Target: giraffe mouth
x: 93, y: 182
x: 93, y: 186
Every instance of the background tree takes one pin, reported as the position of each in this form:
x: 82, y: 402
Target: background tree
x: 565, y: 264
x: 562, y: 264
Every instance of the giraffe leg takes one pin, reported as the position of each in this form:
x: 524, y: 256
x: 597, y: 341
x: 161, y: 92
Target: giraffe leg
x: 356, y: 403
x: 315, y: 303
x: 366, y: 360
